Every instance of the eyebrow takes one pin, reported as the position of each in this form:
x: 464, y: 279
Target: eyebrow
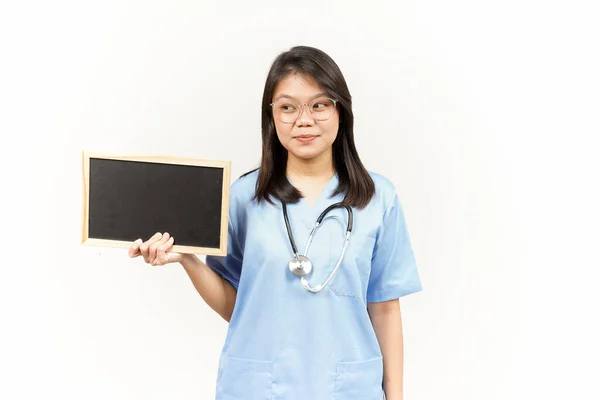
x: 293, y: 98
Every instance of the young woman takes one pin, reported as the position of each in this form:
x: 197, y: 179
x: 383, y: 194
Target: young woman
x: 311, y: 316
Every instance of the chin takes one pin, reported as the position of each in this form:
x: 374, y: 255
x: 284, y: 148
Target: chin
x: 307, y: 154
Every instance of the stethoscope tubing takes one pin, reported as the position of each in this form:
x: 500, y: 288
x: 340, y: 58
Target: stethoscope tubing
x: 305, y: 283
x: 318, y: 288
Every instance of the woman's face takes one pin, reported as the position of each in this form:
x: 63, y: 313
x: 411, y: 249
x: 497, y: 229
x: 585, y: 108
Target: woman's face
x: 307, y: 137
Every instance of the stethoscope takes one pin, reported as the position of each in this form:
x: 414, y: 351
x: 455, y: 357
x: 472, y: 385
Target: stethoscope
x: 300, y: 265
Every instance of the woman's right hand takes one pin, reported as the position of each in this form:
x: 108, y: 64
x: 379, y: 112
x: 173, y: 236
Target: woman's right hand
x: 156, y: 250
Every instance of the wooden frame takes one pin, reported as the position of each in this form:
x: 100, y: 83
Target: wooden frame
x: 225, y: 165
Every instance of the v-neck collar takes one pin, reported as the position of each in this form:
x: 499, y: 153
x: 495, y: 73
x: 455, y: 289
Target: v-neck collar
x: 323, y: 196
x: 305, y: 215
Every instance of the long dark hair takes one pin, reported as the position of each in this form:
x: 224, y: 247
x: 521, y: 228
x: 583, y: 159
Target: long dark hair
x: 354, y: 180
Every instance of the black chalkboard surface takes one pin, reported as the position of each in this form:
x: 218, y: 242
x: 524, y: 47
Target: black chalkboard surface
x: 131, y: 197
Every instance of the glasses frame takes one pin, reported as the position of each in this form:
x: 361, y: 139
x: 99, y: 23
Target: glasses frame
x: 300, y: 106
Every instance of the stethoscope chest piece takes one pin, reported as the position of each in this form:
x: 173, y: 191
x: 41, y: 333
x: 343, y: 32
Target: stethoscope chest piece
x: 300, y: 265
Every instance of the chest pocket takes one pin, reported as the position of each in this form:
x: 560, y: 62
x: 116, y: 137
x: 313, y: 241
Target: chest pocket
x: 352, y: 276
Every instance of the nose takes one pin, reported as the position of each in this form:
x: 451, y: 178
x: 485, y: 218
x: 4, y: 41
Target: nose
x: 305, y: 117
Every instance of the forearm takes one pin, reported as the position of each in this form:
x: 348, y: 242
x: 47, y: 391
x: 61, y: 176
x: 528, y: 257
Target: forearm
x: 387, y: 323
x: 216, y: 291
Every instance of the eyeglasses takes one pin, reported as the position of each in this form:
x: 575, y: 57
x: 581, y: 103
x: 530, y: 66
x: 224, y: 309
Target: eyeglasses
x: 288, y: 111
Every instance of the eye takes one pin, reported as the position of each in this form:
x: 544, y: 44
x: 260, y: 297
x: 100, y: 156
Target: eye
x: 286, y: 108
x: 322, y: 104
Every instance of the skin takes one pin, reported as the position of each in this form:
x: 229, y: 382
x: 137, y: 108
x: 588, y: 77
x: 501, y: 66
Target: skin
x: 309, y: 169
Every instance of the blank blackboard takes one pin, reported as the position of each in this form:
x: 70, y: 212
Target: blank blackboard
x: 131, y: 197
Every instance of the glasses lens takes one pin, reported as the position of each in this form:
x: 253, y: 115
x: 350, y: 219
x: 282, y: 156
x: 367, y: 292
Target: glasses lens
x: 285, y: 111
x: 322, y: 108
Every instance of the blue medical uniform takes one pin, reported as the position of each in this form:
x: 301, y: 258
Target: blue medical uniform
x: 286, y: 343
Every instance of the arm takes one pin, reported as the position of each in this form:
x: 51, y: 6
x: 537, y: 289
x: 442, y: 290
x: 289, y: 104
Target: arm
x: 216, y: 291
x: 387, y: 322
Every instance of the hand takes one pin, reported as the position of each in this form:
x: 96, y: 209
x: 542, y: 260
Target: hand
x: 156, y: 250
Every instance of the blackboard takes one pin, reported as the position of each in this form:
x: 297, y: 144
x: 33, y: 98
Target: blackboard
x: 131, y: 197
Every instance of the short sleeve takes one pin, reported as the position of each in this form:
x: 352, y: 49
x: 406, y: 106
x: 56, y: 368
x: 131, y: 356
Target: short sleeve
x: 394, y: 271
x: 230, y: 266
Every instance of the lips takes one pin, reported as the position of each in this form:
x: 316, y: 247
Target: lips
x: 306, y: 138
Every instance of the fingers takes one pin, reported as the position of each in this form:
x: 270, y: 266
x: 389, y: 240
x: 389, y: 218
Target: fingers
x: 145, y: 247
x: 134, y: 249
x: 162, y: 255
x: 154, y: 248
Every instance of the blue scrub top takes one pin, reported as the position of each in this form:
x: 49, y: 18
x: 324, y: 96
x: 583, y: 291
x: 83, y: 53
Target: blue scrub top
x: 286, y: 343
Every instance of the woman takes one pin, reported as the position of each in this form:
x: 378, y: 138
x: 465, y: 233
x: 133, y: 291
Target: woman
x: 296, y: 332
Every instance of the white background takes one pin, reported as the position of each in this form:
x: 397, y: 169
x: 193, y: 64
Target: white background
x: 483, y: 114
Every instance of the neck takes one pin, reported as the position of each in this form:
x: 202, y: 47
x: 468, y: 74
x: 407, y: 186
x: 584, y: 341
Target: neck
x: 318, y: 167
